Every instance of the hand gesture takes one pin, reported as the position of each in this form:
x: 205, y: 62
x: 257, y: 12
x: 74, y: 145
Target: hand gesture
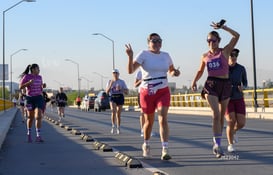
x: 129, y: 50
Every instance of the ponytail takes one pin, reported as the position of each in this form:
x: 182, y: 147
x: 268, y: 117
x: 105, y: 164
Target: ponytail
x: 28, y: 69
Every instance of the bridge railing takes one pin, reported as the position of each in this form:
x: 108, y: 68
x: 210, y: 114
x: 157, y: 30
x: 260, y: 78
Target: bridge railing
x: 264, y: 99
x: 8, y: 104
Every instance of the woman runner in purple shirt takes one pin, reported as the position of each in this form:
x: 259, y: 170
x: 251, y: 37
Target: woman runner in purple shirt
x: 33, y: 84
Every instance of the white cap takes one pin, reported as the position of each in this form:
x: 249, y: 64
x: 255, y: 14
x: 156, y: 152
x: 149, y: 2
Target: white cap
x: 115, y: 71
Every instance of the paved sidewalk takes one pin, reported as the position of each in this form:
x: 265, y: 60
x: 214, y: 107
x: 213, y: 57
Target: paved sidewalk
x: 6, y: 119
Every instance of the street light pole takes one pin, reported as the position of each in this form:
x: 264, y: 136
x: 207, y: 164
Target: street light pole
x: 78, y: 70
x: 11, y: 69
x: 254, y: 59
x: 113, y: 46
x: 101, y: 78
x: 88, y: 81
x: 3, y: 85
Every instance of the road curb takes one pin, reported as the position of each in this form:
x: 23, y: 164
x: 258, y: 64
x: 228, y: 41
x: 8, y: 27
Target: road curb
x: 122, y: 158
x: 128, y: 161
x: 6, y: 119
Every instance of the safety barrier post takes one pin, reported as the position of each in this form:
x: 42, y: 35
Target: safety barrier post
x: 266, y: 103
x: 195, y: 101
x: 189, y: 101
x: 172, y: 100
x: 183, y: 101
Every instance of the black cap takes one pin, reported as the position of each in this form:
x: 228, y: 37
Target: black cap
x: 235, y: 50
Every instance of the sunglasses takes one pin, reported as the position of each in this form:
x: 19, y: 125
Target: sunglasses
x: 156, y: 41
x: 212, y: 40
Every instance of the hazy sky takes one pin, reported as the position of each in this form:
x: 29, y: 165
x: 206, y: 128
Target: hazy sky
x: 55, y: 30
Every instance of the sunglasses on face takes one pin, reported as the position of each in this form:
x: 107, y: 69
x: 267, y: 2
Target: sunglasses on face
x: 156, y: 41
x: 212, y: 40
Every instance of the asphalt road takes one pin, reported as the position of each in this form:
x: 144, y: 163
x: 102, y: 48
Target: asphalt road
x: 190, y: 146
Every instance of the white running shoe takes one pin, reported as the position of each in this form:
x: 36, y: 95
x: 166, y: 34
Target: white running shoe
x: 141, y: 134
x: 165, y: 155
x: 118, y: 131
x: 231, y: 148
x: 146, y: 151
x: 112, y: 130
x: 217, y: 150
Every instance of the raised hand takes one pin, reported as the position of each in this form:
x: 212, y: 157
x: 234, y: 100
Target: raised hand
x: 129, y: 50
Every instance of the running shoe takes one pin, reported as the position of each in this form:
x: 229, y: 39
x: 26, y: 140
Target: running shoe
x: 39, y: 139
x: 165, y: 155
x: 118, y: 131
x: 231, y: 148
x: 146, y: 151
x: 112, y: 130
x: 29, y: 139
x: 141, y: 134
x: 217, y: 150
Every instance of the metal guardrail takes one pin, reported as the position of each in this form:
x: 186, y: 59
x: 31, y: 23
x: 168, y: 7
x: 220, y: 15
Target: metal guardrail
x: 264, y: 99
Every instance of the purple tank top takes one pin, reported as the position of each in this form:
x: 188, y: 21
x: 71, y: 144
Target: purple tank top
x: 217, y: 65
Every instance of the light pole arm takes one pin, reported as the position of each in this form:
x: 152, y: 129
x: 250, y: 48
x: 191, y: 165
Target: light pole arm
x: 13, y: 6
x: 104, y: 36
x: 11, y: 69
x: 78, y: 70
x: 3, y: 89
x: 113, y: 46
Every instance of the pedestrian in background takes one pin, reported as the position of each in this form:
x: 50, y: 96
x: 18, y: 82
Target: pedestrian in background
x: 154, y: 90
x: 32, y: 82
x: 217, y: 88
x: 14, y: 101
x: 116, y: 88
x: 61, y: 100
x: 46, y: 99
x: 22, y: 101
x: 78, y: 101
x: 236, y: 110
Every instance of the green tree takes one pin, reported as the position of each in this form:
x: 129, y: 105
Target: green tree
x: 7, y: 94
